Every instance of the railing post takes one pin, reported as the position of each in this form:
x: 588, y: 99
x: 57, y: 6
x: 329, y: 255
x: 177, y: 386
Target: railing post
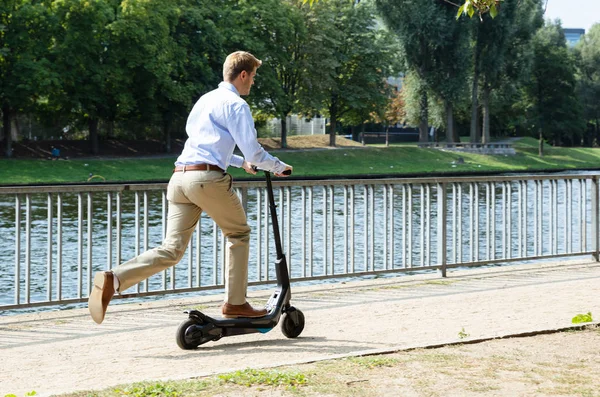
x: 595, y: 218
x: 442, y: 225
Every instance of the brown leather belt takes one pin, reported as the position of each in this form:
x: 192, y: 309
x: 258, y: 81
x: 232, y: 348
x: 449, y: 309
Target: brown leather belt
x: 197, y: 167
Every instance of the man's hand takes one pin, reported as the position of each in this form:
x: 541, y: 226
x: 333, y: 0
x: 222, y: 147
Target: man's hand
x: 287, y: 172
x: 248, y: 168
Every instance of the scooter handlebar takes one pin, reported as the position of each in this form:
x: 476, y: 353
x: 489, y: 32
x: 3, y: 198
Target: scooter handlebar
x: 286, y: 172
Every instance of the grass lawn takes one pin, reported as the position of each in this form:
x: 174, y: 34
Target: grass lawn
x: 395, y: 160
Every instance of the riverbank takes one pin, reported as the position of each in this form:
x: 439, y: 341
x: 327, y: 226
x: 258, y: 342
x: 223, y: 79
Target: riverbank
x: 343, y: 161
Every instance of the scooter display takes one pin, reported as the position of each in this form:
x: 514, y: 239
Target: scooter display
x: 199, y: 328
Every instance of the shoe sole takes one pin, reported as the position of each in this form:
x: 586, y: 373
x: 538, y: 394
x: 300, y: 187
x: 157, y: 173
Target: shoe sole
x: 97, y: 310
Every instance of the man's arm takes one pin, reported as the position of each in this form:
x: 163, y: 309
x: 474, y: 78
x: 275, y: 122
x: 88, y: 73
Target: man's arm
x: 241, y: 128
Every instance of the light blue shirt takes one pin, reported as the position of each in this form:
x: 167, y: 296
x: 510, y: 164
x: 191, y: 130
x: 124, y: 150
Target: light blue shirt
x: 218, y: 122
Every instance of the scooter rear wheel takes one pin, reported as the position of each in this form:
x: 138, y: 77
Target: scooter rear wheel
x: 181, y: 330
x: 292, y: 322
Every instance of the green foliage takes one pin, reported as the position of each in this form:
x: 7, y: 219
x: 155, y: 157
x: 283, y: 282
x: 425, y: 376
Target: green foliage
x: 254, y: 377
x: 283, y: 34
x: 150, y: 390
x: 587, y: 55
x: 26, y: 75
x: 116, y: 68
x: 371, y: 362
x: 500, y: 54
x: 552, y: 103
x: 582, y: 318
x: 462, y: 334
x: 433, y: 47
x: 31, y: 393
x: 470, y: 7
x: 362, y: 55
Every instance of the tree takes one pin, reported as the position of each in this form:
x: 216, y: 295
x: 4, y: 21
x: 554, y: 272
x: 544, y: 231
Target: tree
x: 588, y: 79
x: 285, y: 35
x: 447, y: 79
x: 92, y: 56
x: 496, y: 47
x: 393, y: 113
x: 364, y: 57
x: 25, y: 73
x: 432, y: 45
x: 553, y: 110
x: 177, y: 60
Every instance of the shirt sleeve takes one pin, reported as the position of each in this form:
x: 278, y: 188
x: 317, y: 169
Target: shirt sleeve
x: 236, y: 161
x: 241, y: 128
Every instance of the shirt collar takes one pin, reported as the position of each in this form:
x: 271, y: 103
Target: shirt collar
x: 229, y: 86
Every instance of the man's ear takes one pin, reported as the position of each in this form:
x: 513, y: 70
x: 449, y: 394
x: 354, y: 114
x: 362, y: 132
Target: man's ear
x: 243, y: 74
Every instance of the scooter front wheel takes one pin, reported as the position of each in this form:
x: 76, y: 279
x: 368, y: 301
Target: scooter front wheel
x: 189, y: 342
x: 292, y: 322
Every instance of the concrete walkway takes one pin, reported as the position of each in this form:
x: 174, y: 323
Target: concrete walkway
x: 62, y: 351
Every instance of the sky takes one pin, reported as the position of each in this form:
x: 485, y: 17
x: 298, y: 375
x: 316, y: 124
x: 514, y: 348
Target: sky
x: 574, y: 13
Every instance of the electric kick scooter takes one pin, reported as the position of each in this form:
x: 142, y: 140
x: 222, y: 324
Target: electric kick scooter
x: 199, y: 328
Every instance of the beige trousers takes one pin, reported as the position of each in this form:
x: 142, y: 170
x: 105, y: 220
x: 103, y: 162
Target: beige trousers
x: 189, y: 193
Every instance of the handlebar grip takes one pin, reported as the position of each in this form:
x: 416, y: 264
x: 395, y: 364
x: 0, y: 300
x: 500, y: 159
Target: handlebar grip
x: 286, y: 172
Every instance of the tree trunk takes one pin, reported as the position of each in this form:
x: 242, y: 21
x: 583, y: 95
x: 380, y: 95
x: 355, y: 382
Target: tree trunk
x: 110, y: 133
x: 474, y: 92
x: 485, y: 136
x: 387, y: 135
x: 167, y: 134
x: 423, y: 118
x: 6, y: 123
x: 479, y: 125
x: 541, y: 148
x: 362, y: 133
x: 93, y: 135
x: 283, y: 131
x: 451, y: 133
x: 474, y: 106
x: 333, y: 119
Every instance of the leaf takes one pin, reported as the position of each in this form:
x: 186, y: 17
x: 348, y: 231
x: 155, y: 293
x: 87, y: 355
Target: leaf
x: 493, y: 11
x: 582, y: 318
x: 470, y: 10
x: 461, y: 9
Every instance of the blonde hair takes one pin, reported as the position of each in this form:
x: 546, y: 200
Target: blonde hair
x: 238, y: 61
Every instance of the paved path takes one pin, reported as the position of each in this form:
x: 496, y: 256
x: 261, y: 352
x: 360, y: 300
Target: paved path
x: 61, y: 351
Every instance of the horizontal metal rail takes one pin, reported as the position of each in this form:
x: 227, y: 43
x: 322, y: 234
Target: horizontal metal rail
x: 54, y: 238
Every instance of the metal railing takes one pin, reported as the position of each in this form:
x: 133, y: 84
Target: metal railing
x: 54, y: 238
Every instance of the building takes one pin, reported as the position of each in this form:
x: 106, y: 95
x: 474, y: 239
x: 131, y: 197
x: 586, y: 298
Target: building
x: 573, y: 36
x: 297, y: 125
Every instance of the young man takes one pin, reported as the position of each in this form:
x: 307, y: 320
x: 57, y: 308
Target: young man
x: 219, y: 121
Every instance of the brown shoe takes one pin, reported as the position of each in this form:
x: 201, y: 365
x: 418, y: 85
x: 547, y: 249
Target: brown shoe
x: 102, y: 292
x: 245, y: 310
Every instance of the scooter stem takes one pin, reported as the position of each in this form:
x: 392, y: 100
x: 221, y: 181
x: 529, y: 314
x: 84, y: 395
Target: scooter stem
x: 273, y: 211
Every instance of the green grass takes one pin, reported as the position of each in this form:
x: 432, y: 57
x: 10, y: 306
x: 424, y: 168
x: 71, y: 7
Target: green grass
x: 395, y: 160
x: 270, y: 377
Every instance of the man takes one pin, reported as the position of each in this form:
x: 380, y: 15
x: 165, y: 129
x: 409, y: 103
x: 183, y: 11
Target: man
x: 219, y: 121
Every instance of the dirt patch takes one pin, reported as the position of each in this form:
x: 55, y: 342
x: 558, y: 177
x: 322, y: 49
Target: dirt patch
x: 118, y: 148
x: 561, y: 364
x: 306, y: 142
